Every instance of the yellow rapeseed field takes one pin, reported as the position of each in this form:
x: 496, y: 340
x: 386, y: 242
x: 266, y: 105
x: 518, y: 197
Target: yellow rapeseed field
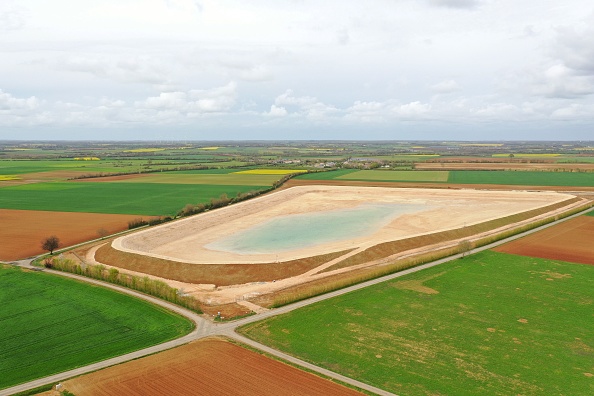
x: 9, y: 177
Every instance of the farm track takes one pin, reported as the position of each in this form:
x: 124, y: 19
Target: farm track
x: 205, y: 328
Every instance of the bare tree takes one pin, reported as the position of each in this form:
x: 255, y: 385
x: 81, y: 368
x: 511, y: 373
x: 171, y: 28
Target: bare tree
x: 102, y: 232
x: 464, y: 247
x: 50, y: 243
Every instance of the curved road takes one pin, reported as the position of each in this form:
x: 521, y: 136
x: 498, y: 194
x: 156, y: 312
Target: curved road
x: 204, y: 328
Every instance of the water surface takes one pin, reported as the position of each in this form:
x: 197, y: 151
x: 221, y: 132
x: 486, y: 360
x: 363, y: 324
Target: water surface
x: 298, y: 231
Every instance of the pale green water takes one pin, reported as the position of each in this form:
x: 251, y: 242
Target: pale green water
x: 291, y: 232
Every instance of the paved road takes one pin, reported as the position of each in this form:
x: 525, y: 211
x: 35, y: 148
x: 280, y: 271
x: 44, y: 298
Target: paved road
x: 205, y: 328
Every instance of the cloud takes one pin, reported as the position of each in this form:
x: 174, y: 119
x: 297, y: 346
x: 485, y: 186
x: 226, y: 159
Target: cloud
x: 412, y: 109
x: 9, y: 102
x: 342, y: 36
x: 276, y: 111
x: 193, y: 102
x: 127, y: 69
x: 12, y: 16
x: 366, y: 111
x: 307, y: 106
x: 445, y: 87
x: 576, y: 49
x: 460, y: 4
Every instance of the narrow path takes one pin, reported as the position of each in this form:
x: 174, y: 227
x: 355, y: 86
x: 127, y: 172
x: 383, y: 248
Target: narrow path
x: 205, y: 328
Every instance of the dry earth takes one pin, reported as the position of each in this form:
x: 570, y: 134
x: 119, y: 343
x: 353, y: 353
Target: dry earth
x: 451, y: 209
x: 186, y: 240
x: 205, y: 367
x: 22, y: 231
x: 571, y: 241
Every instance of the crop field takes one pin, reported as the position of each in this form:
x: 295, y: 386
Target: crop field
x: 52, y: 324
x: 488, y: 324
x: 22, y: 231
x: 149, y: 199
x: 425, y: 176
x: 270, y: 171
x: 205, y: 367
x: 521, y: 178
x: 571, y: 241
x: 529, y: 155
x: 326, y: 175
x: 525, y: 178
x: 221, y: 179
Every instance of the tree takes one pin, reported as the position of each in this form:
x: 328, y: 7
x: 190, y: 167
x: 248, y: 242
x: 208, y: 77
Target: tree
x: 102, y: 232
x: 50, y: 243
x: 464, y: 247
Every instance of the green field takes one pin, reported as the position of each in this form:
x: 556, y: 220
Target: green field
x: 20, y: 167
x: 150, y: 199
x: 52, y: 324
x: 330, y: 175
x: 489, y: 324
x: 386, y: 175
x: 226, y: 179
x: 523, y: 178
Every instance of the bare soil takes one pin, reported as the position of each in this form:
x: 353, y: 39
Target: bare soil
x: 222, y: 285
x: 187, y: 240
x: 571, y: 241
x: 205, y: 367
x: 22, y: 231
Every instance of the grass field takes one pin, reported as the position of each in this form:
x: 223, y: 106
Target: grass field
x: 371, y: 175
x: 489, y: 324
x: 326, y: 175
x: 51, y: 324
x: 221, y: 179
x: 150, y: 199
x: 270, y: 171
x: 523, y: 178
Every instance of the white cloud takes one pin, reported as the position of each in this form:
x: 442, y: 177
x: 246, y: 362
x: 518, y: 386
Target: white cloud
x: 307, y: 106
x: 464, y: 4
x: 12, y: 16
x: 120, y: 68
x: 9, y: 102
x: 114, y: 63
x: 276, y: 111
x: 445, y: 87
x: 412, y: 109
x: 215, y: 100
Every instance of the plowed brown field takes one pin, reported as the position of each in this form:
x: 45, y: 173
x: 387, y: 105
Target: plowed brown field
x: 22, y: 231
x: 206, y: 367
x: 571, y: 241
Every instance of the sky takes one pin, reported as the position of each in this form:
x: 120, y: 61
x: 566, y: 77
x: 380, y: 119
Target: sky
x: 297, y: 70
